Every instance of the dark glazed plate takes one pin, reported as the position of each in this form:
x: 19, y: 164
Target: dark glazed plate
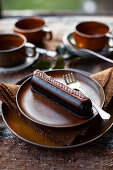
x: 26, y: 133
x: 42, y: 111
x: 69, y: 43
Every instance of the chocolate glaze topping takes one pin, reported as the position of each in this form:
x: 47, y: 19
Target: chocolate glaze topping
x: 61, y: 86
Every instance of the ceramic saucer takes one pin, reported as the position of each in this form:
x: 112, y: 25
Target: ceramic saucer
x: 28, y: 62
x: 69, y: 43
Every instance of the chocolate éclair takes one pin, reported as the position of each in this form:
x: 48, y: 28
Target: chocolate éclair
x: 70, y: 99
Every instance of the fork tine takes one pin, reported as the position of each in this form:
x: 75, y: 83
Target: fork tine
x: 66, y: 78
x: 69, y: 78
x: 72, y: 77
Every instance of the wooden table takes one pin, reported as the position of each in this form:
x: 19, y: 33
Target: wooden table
x: 17, y: 154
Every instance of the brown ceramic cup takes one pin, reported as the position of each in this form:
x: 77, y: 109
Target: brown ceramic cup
x: 14, y: 50
x: 34, y: 29
x: 91, y: 35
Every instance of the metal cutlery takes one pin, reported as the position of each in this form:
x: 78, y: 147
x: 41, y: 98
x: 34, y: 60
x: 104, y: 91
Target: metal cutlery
x: 71, y: 81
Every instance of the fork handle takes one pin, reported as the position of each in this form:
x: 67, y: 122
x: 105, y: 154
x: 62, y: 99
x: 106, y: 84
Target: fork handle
x: 103, y: 114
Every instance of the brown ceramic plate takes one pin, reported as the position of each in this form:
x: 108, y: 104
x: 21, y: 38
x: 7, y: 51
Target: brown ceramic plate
x: 68, y: 39
x: 42, y: 111
x: 26, y: 133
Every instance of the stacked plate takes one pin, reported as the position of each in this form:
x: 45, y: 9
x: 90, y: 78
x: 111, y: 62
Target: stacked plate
x: 43, y: 112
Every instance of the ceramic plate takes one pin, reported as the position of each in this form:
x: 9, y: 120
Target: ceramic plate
x: 28, y: 62
x: 68, y: 37
x: 43, y: 111
x: 26, y: 133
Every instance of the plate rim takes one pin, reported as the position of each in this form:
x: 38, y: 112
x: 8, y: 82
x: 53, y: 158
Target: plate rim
x: 58, y: 126
x: 52, y: 147
x: 46, y: 146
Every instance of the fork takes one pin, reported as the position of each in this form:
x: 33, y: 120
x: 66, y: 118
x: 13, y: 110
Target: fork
x: 72, y: 82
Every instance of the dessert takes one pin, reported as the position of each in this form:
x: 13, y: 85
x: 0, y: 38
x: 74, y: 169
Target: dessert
x: 72, y: 100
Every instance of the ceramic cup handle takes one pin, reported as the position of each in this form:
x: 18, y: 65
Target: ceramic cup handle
x: 30, y: 49
x: 109, y: 36
x: 49, y: 32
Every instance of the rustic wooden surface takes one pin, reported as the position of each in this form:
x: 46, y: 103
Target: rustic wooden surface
x: 17, y: 154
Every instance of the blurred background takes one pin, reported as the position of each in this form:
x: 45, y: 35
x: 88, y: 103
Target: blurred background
x: 51, y: 7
